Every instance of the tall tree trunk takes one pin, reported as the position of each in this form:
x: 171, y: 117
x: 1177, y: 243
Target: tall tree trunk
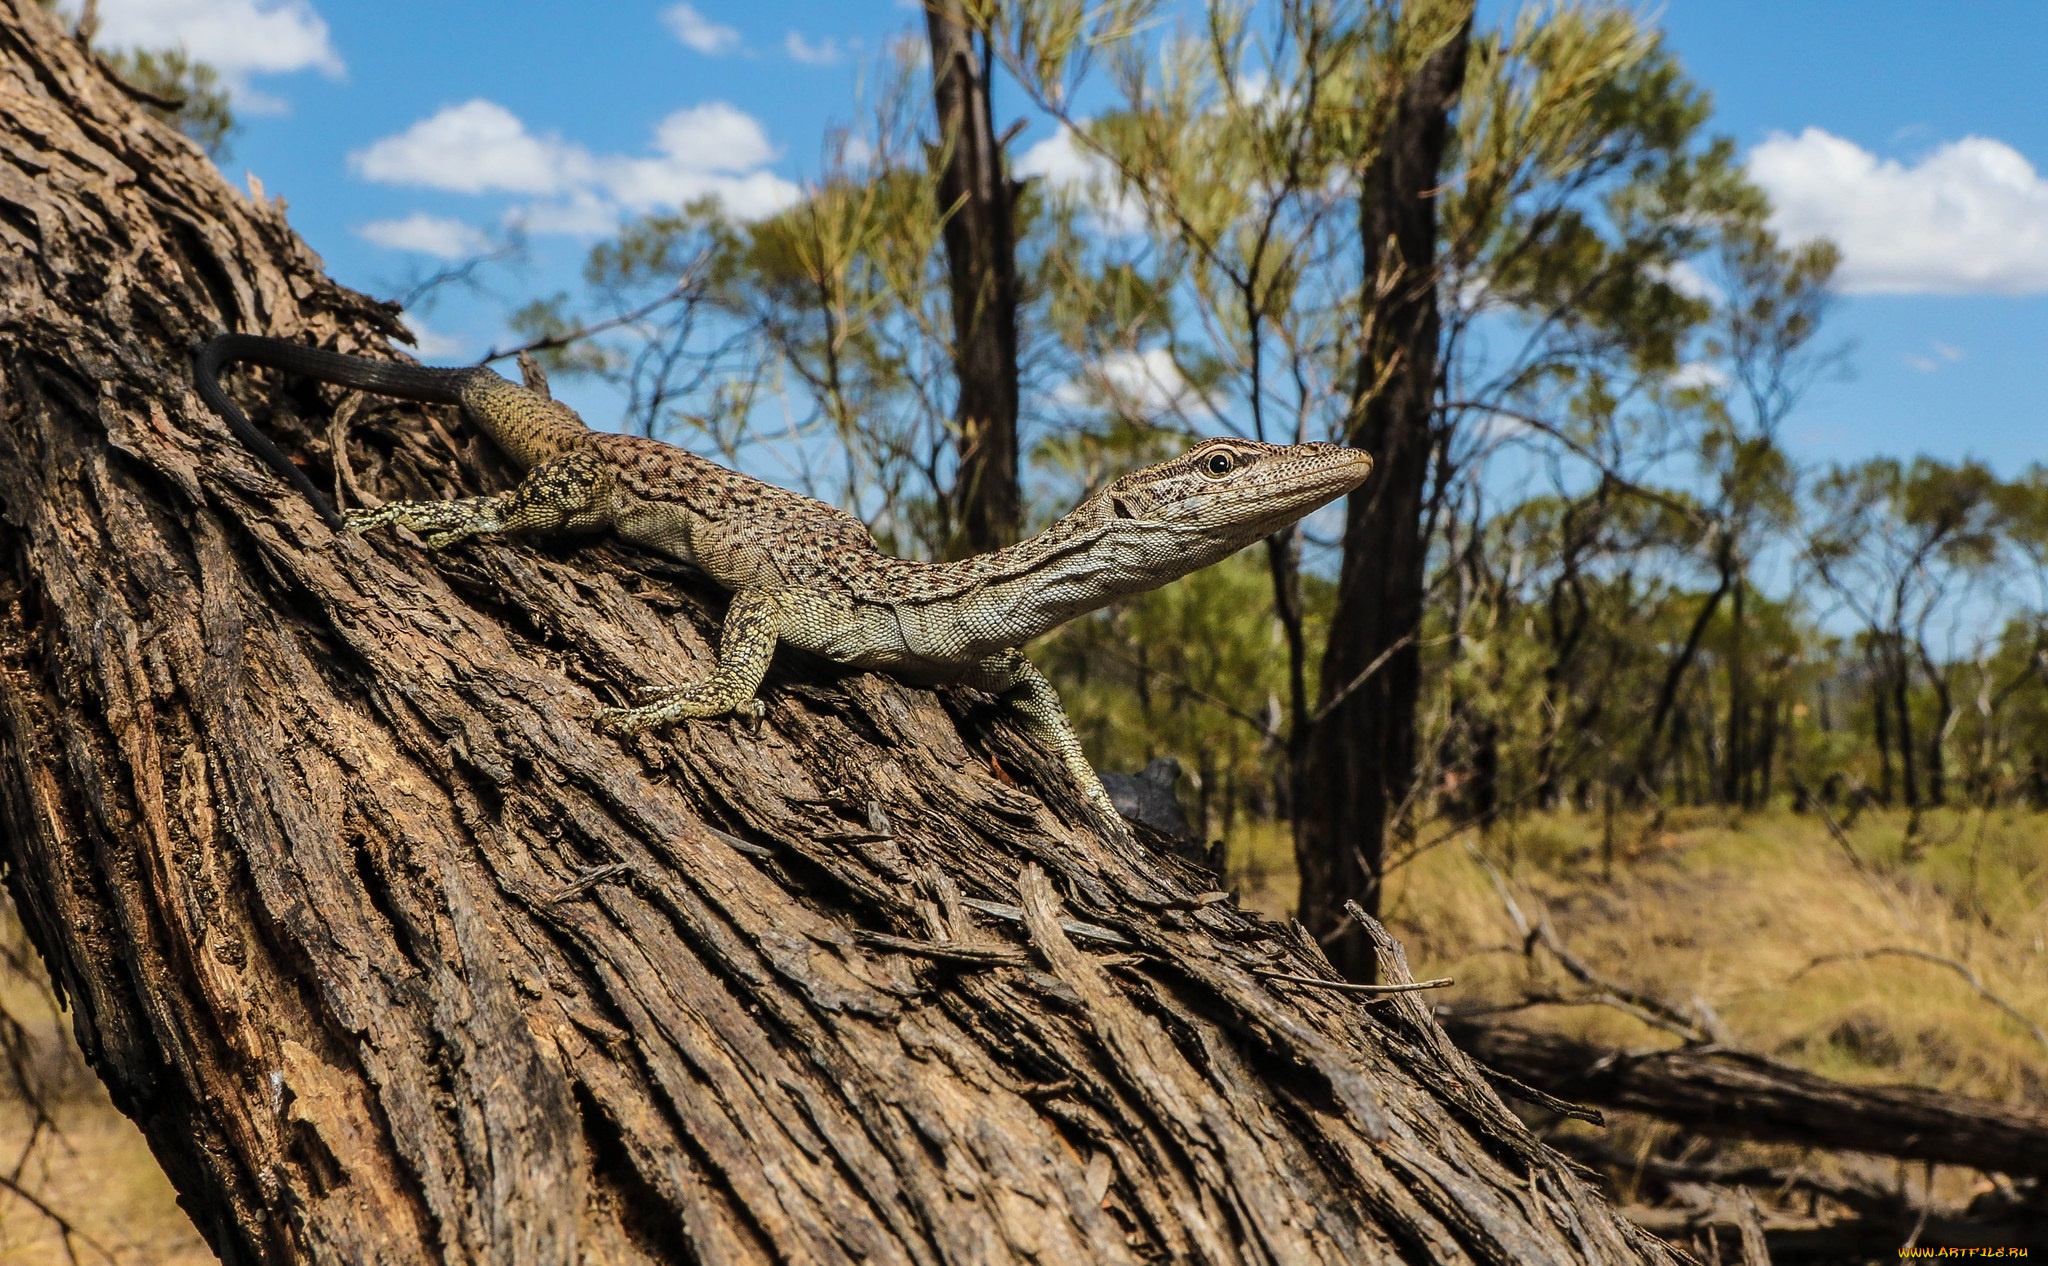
x: 1902, y: 712
x: 1674, y: 673
x: 1358, y: 763
x: 393, y: 958
x: 1944, y: 721
x: 978, y: 199
x: 1880, y: 725
x: 1566, y: 633
x: 1735, y: 770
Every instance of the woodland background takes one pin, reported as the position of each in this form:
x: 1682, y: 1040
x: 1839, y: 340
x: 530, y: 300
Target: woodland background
x: 1596, y: 653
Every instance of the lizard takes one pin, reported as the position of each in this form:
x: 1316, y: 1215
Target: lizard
x: 808, y: 574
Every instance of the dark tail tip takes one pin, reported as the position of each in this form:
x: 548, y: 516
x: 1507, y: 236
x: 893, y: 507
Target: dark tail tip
x: 206, y: 366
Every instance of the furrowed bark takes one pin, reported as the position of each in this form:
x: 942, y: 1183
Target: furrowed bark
x: 394, y: 958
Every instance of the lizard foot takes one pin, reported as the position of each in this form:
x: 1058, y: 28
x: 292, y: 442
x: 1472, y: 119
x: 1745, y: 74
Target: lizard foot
x: 439, y: 523
x: 672, y: 703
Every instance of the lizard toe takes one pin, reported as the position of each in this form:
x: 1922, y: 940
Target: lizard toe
x: 624, y: 722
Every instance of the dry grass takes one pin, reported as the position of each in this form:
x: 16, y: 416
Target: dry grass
x: 1764, y: 921
x: 96, y: 1172
x: 86, y: 1163
x: 1758, y: 918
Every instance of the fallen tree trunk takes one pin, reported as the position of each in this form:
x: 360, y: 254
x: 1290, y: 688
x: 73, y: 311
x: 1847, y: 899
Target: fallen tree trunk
x: 1843, y: 1217
x: 394, y: 958
x: 1734, y: 1094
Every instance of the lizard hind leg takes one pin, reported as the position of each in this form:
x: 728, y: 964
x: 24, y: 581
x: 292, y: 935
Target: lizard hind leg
x: 753, y: 625
x: 1010, y: 675
x: 573, y: 492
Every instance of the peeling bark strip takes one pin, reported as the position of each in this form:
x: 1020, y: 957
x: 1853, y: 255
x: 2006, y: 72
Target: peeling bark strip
x: 394, y: 959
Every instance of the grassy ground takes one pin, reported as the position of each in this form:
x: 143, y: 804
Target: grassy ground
x: 1766, y: 921
x: 1760, y: 919
x: 84, y: 1163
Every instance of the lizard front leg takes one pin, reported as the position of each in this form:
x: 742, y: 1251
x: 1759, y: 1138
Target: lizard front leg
x: 1010, y: 675
x: 572, y: 492
x: 753, y: 625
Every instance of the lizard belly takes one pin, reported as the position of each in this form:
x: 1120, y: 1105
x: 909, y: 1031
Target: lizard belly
x: 955, y: 636
x: 659, y: 525
x: 847, y: 632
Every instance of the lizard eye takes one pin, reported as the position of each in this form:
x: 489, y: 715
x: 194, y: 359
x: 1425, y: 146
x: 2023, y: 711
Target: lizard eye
x: 1217, y: 465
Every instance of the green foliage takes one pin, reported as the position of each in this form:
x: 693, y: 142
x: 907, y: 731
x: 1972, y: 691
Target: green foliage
x: 188, y: 95
x: 199, y: 101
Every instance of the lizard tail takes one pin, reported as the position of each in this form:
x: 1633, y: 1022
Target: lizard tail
x: 386, y: 378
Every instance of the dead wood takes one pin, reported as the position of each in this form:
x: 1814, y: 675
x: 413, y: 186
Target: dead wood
x: 1735, y: 1094
x: 1811, y: 1216
x: 394, y: 958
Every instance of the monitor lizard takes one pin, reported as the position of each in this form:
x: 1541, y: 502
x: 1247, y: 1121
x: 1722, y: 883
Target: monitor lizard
x: 809, y: 574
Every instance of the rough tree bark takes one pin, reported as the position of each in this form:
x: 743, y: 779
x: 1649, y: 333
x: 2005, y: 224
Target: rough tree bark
x: 1359, y: 759
x: 393, y: 958
x: 978, y: 199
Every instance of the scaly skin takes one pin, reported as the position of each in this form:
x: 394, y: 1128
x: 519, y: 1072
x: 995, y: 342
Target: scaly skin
x: 805, y: 573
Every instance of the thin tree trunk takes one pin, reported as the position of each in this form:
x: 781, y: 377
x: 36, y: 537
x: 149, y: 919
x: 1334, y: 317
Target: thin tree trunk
x: 1944, y: 721
x: 393, y: 958
x: 1902, y: 712
x: 1358, y: 761
x: 1881, y: 730
x: 1674, y: 674
x: 1735, y: 768
x: 978, y: 199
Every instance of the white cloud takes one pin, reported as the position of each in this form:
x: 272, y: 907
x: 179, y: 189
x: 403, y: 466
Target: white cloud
x: 822, y: 53
x: 582, y: 214
x: 1140, y: 383
x: 476, y: 147
x: 238, y: 38
x: 1065, y: 164
x: 1938, y: 354
x: 427, y: 234
x: 1689, y: 281
x: 699, y: 32
x: 1972, y: 216
x: 713, y: 137
x: 1696, y: 374
x: 712, y: 150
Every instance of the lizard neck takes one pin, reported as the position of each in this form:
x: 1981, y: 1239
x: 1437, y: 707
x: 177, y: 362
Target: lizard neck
x: 529, y: 427
x: 1022, y: 591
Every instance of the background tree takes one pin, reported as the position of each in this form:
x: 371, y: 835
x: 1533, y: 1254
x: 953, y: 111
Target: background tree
x: 977, y: 203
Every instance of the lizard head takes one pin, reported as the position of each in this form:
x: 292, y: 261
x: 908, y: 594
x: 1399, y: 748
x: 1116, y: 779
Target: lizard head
x: 1222, y: 495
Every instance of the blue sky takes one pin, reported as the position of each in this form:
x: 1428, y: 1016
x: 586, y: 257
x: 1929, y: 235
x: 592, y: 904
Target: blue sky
x: 1910, y: 132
